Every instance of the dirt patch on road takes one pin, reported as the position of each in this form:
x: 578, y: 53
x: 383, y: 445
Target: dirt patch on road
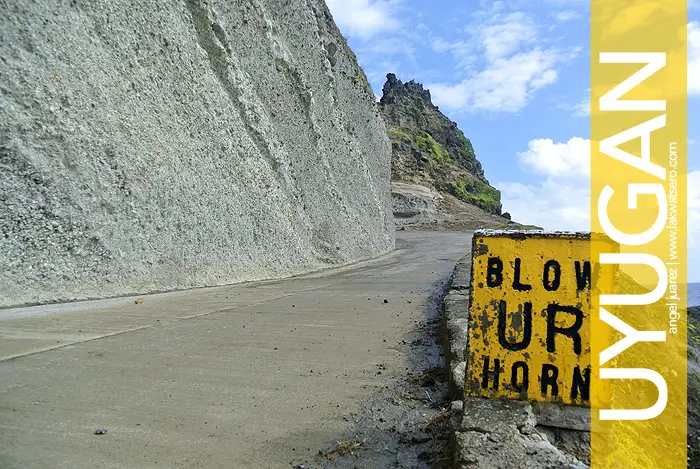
x: 406, y: 424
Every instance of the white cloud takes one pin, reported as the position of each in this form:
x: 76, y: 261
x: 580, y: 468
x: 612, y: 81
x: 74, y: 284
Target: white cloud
x: 552, y: 204
x: 500, y: 62
x: 567, y: 15
x: 450, y: 96
x: 507, y: 36
x: 580, y: 109
x: 390, y: 46
x: 505, y: 85
x: 513, y: 66
x: 489, y: 8
x: 565, y: 160
x: 440, y: 45
x: 380, y: 40
x: 363, y: 18
x: 464, y: 52
x: 561, y: 200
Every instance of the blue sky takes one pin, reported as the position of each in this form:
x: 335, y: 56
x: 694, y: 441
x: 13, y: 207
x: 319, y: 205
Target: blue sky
x: 514, y: 75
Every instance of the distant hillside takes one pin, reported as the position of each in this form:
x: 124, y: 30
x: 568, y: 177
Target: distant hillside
x: 429, y: 149
x: 437, y: 181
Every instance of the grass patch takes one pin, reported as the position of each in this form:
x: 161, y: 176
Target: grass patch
x: 427, y: 143
x: 477, y: 192
x: 398, y: 135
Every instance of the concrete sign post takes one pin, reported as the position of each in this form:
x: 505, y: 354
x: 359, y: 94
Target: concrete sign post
x: 528, y: 336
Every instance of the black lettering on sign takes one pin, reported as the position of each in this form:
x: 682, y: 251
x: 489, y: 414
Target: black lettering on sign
x: 494, y: 272
x: 487, y: 373
x: 581, y: 383
x: 551, y: 269
x: 550, y: 373
x: 571, y: 331
x: 516, y: 282
x: 519, y: 386
x: 527, y: 327
x: 583, y: 276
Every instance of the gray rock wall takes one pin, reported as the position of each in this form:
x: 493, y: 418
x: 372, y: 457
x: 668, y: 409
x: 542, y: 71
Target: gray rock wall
x: 414, y: 204
x: 149, y: 146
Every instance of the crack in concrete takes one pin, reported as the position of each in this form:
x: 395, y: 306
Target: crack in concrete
x: 149, y: 326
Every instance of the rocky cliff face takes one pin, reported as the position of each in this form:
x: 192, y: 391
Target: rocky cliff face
x: 429, y: 149
x: 156, y: 145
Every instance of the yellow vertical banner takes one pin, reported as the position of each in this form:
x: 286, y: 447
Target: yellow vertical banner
x: 638, y: 199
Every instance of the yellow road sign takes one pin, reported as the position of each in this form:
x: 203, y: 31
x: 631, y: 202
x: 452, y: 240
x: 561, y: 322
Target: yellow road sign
x: 529, y: 316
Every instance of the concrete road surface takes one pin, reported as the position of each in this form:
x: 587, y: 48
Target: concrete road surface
x: 244, y: 376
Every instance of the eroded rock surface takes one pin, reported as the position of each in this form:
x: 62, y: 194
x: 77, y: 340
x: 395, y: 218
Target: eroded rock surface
x: 414, y: 204
x: 155, y: 145
x: 438, y: 183
x: 429, y: 149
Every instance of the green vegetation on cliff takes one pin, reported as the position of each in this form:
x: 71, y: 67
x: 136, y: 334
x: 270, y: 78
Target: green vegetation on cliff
x: 477, y: 192
x: 427, y: 144
x: 397, y: 136
x: 428, y: 148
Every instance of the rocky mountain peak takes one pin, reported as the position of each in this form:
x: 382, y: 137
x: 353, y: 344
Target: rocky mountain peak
x: 395, y: 90
x: 429, y: 150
